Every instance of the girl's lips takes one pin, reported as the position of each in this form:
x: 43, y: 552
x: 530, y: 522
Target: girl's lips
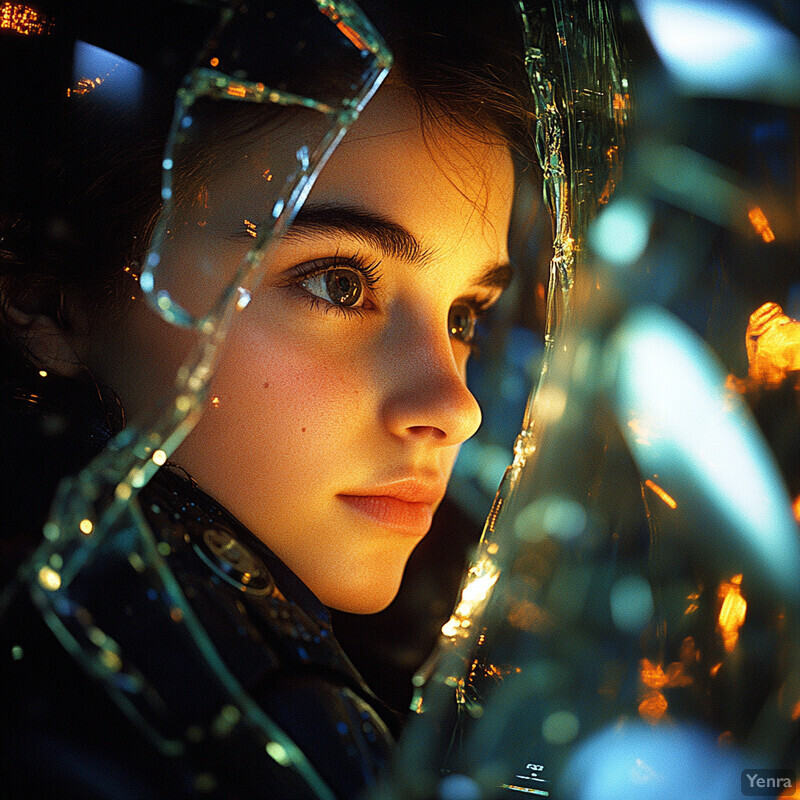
x: 392, y: 512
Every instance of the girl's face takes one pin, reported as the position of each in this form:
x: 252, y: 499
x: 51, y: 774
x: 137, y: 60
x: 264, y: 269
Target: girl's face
x: 341, y: 398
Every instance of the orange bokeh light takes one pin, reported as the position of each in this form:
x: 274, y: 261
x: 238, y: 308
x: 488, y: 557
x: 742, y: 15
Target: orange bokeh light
x: 773, y: 344
x: 760, y: 223
x: 24, y: 20
x: 661, y: 493
x: 653, y: 707
x: 732, y: 611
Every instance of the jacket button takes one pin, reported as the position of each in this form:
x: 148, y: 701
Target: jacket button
x: 233, y: 562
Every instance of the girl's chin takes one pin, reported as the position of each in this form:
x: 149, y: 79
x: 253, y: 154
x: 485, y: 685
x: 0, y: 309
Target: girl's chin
x: 369, y: 596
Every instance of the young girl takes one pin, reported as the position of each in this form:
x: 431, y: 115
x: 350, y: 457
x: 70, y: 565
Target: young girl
x: 206, y: 663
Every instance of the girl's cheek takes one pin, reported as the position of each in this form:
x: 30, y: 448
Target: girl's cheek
x: 289, y: 377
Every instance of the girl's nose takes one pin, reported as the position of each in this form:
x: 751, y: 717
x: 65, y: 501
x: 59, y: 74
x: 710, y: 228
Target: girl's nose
x: 427, y: 395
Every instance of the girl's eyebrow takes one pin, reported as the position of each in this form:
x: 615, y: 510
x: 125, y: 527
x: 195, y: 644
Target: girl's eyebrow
x: 495, y: 276
x: 373, y: 229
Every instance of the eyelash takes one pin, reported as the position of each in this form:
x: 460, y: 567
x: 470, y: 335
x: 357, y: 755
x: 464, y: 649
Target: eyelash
x: 370, y: 275
x: 367, y: 270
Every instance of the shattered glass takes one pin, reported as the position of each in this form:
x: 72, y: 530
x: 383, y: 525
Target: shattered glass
x: 272, y: 94
x: 629, y: 625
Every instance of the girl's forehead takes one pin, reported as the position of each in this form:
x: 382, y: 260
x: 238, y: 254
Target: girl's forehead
x: 435, y: 177
x: 450, y: 189
x: 395, y: 125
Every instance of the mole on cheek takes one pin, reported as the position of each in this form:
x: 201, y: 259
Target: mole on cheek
x: 266, y: 384
x: 303, y: 429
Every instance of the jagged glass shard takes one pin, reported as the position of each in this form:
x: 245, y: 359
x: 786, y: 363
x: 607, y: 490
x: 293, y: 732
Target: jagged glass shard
x: 580, y: 90
x: 253, y: 126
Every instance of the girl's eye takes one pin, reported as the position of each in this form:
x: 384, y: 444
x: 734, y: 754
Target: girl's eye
x: 461, y: 323
x: 339, y: 287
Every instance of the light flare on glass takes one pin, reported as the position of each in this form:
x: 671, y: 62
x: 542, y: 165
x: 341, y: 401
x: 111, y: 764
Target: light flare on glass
x: 670, y: 501
x: 732, y: 612
x: 761, y: 224
x: 669, y: 381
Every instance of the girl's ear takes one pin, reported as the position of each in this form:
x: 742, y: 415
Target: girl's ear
x: 43, y: 339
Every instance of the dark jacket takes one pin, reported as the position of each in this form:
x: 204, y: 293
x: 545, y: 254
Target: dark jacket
x: 204, y: 696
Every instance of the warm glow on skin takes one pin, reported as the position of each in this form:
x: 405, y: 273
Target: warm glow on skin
x: 312, y: 405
